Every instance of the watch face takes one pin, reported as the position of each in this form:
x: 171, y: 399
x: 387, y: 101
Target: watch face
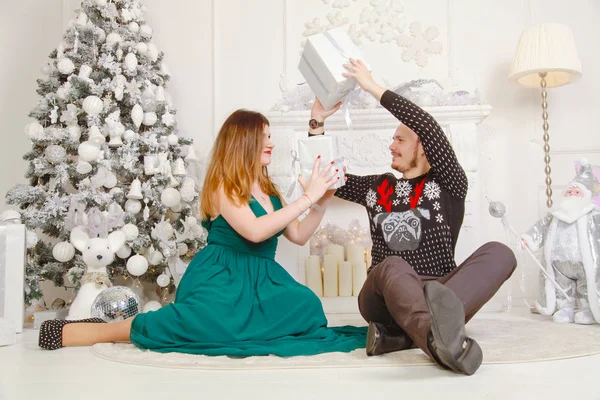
x: 313, y: 123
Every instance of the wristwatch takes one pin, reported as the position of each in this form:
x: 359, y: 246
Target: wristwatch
x: 314, y: 124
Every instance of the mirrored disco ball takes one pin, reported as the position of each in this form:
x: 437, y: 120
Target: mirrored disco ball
x: 116, y: 303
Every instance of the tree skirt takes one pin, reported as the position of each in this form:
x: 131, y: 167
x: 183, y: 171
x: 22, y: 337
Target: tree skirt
x: 504, y: 339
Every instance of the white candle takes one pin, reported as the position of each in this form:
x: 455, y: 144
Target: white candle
x: 368, y: 257
x: 337, y: 251
x: 345, y: 279
x: 356, y: 254
x: 330, y: 275
x: 312, y: 272
x: 359, y: 272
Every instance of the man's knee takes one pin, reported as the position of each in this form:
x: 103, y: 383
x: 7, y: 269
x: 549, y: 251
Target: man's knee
x: 502, y: 257
x: 392, y: 265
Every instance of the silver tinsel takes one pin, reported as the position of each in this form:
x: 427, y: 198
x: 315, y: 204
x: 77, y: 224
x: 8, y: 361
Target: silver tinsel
x: 116, y: 304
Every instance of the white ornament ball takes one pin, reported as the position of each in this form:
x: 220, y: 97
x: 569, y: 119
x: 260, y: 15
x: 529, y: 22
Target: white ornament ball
x: 182, y: 248
x: 152, y: 305
x: 83, y: 167
x: 96, y: 140
x: 93, y: 105
x: 65, y: 66
x: 34, y: 130
x: 124, y: 251
x: 170, y: 197
x: 100, y: 3
x: 133, y: 27
x: 155, y: 257
x: 137, y: 265
x: 141, y: 48
x: 88, y: 152
x: 131, y: 231
x: 63, y: 251
x: 150, y: 118
x: 137, y: 115
x: 62, y: 93
x: 168, y: 119
x: 133, y: 206
x: 101, y: 35
x: 129, y: 135
x: 55, y: 153
x: 173, y: 139
x: 46, y: 69
x: 110, y: 181
x: 145, y: 30
x: 131, y: 62
x: 152, y: 52
x: 163, y: 280
x: 74, y: 132
x: 113, y: 38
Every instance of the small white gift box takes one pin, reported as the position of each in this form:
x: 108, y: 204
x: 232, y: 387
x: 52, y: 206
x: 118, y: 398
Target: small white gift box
x: 12, y: 274
x: 322, y: 65
x: 328, y: 148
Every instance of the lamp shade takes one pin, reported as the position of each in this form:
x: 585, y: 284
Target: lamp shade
x: 546, y: 48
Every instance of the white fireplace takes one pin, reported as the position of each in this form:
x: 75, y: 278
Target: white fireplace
x: 365, y: 150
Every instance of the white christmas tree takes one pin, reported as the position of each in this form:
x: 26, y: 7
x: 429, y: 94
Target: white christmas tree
x: 106, y: 155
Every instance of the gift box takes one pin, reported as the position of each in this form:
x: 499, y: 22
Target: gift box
x: 328, y: 148
x: 322, y: 65
x: 12, y: 273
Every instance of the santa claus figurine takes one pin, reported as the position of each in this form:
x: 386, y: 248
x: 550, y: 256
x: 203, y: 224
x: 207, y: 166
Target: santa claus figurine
x: 570, y: 236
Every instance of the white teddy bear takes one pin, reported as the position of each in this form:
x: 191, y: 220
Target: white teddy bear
x: 98, y: 253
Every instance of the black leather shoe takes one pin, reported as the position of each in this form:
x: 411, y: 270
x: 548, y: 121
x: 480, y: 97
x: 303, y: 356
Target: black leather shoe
x: 448, y: 341
x: 380, y: 340
x: 50, y: 337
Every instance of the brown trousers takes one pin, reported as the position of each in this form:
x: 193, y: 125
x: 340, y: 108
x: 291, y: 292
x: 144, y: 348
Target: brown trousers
x: 393, y: 293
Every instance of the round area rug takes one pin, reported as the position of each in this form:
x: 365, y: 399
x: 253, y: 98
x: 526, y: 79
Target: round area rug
x: 503, y: 340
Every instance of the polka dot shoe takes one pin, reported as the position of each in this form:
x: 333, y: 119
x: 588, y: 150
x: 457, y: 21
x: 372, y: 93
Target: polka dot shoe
x: 51, y: 332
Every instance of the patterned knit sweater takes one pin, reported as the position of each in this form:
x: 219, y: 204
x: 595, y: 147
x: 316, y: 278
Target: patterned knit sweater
x: 417, y: 219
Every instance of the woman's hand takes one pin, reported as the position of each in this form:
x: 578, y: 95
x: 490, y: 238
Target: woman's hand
x: 319, y: 181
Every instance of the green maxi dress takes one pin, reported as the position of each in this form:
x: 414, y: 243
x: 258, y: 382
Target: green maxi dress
x: 236, y: 300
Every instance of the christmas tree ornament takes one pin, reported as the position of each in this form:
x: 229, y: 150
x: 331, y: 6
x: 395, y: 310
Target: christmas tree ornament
x: 124, y: 251
x: 170, y: 197
x: 182, y: 249
x: 146, y: 31
x: 83, y: 167
x: 129, y: 135
x: 119, y: 54
x: 168, y: 119
x: 54, y: 115
x: 173, y: 139
x: 88, y: 152
x: 150, y: 162
x: 62, y: 93
x: 163, y: 231
x: 63, y: 251
x: 113, y: 38
x: 82, y: 19
x: 164, y: 69
x: 163, y: 280
x: 133, y: 206
x: 115, y: 304
x: 115, y: 139
x: 93, y: 105
x: 137, y: 115
x: 55, y: 153
x: 34, y: 130
x: 100, y: 3
x: 187, y: 190
x: 133, y: 27
x: 74, y: 274
x: 131, y: 231
x: 146, y: 213
x: 176, y: 208
x: 160, y: 94
x: 152, y: 52
x: 137, y: 265
x: 191, y: 154
x: 131, y: 62
x: 141, y: 48
x: 46, y: 69
x: 85, y: 71
x: 148, y: 101
x: 135, y: 190
x: 65, y: 66
x: 74, y: 132
x: 179, y: 167
x: 152, y: 305
x: 150, y: 118
x: 154, y: 256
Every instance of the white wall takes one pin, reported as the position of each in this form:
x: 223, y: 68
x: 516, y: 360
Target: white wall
x: 228, y: 54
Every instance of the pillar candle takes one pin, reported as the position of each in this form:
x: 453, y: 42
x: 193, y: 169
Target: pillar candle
x: 337, y: 251
x: 356, y: 254
x: 359, y: 272
x: 345, y: 279
x: 314, y: 278
x: 330, y: 275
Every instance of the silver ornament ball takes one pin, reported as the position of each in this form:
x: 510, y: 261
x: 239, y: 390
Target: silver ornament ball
x: 116, y: 303
x: 497, y: 209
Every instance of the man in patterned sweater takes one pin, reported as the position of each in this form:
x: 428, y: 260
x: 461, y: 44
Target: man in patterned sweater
x: 415, y: 295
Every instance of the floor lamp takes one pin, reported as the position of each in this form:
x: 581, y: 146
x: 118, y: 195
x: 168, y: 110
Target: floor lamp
x: 546, y: 57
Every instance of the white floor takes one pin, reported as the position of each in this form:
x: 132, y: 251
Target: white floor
x: 26, y: 372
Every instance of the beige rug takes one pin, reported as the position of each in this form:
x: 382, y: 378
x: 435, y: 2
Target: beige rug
x: 504, y: 339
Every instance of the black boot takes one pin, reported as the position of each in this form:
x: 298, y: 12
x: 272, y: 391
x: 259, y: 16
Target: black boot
x: 50, y: 337
x: 382, y: 339
x: 448, y: 341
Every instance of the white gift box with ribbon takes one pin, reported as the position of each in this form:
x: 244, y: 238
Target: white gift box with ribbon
x: 309, y: 149
x: 12, y: 275
x: 322, y: 65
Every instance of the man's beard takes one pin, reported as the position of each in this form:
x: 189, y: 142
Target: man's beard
x: 411, y: 164
x: 573, y: 207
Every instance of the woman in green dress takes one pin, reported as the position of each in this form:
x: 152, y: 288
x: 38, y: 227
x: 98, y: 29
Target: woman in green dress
x: 234, y: 299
